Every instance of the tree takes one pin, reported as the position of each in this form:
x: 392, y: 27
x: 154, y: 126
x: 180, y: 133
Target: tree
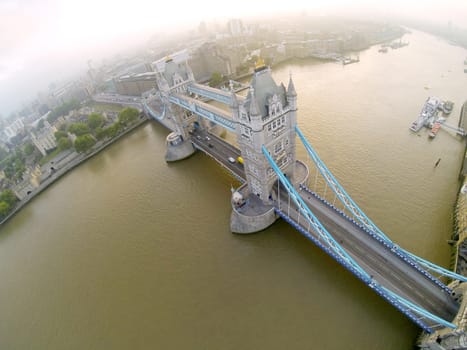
x: 95, y: 120
x: 60, y: 134
x: 62, y: 110
x: 4, y: 209
x: 3, y: 154
x: 20, y: 168
x: 28, y: 149
x: 64, y: 143
x: 9, y: 171
x: 84, y: 142
x: 79, y: 129
x: 8, y: 196
x: 18, y: 154
x: 101, y: 133
x: 216, y: 79
x: 128, y: 115
x: 114, y: 129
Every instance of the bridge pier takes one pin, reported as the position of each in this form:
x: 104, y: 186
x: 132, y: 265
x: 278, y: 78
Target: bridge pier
x: 249, y: 213
x: 178, y: 148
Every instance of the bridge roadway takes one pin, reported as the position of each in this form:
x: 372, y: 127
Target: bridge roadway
x: 219, y: 150
x: 386, y: 268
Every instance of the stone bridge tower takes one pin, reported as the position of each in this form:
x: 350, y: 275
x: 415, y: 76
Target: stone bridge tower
x: 174, y: 79
x: 267, y: 117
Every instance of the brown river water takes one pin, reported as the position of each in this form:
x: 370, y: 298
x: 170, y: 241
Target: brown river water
x: 129, y: 252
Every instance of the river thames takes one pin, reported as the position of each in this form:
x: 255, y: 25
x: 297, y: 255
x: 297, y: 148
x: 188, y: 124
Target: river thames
x: 129, y: 252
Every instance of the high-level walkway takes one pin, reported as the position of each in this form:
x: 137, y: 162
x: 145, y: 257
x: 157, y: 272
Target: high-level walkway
x: 213, y: 93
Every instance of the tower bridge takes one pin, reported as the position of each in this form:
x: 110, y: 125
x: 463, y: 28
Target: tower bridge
x: 277, y: 185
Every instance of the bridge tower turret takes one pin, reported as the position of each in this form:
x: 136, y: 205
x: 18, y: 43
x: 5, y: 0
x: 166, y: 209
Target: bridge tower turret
x: 267, y: 117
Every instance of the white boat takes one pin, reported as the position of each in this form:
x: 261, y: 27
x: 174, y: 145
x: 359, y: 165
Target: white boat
x: 428, y: 113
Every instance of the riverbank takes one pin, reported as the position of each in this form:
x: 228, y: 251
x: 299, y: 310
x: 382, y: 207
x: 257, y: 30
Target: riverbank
x: 460, y: 210
x: 445, y: 338
x: 76, y: 161
x: 460, y: 224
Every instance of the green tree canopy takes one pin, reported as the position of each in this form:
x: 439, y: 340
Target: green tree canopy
x: 216, y: 79
x: 60, y: 134
x: 79, y: 129
x: 113, y: 130
x: 62, y: 110
x: 3, y: 154
x: 29, y: 149
x: 8, y: 196
x: 14, y: 165
x: 18, y: 153
x: 128, y: 115
x: 4, y: 209
x: 95, y: 120
x: 101, y: 133
x: 84, y: 142
x: 64, y: 143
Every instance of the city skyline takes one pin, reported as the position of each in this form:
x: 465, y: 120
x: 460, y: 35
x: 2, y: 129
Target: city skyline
x: 52, y: 40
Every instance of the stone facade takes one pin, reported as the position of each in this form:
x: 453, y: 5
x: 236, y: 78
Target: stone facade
x: 136, y: 84
x: 267, y: 117
x: 44, y: 139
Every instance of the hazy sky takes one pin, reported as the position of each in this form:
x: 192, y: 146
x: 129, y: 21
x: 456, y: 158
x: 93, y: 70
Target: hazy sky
x: 42, y: 40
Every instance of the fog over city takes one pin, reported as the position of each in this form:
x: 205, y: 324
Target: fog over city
x: 49, y: 40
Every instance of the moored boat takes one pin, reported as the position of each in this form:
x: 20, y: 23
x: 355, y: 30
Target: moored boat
x: 446, y: 107
x: 428, y: 113
x: 434, y: 129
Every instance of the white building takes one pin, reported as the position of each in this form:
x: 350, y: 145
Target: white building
x: 44, y: 139
x: 14, y: 128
